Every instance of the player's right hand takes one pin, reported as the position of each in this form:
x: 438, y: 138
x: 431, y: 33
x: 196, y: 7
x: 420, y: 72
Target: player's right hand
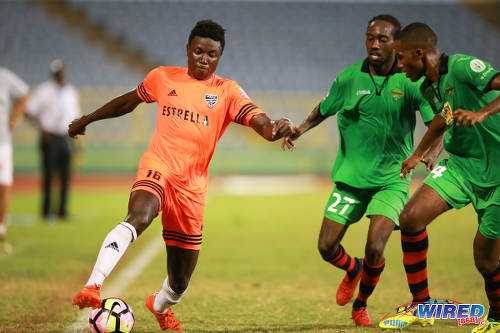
x: 409, y: 164
x: 288, y: 140
x: 77, y: 127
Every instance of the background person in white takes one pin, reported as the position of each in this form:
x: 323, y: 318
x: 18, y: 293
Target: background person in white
x: 52, y: 106
x: 13, y: 92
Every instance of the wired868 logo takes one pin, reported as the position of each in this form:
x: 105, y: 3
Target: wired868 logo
x: 450, y: 309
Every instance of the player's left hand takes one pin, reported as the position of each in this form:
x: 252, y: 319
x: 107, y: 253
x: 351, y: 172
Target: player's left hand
x: 465, y: 118
x: 430, y: 160
x: 409, y: 164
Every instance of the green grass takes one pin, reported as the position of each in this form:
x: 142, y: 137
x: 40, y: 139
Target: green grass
x: 258, y: 271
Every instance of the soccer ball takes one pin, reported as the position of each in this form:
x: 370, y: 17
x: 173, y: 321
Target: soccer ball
x: 114, y: 316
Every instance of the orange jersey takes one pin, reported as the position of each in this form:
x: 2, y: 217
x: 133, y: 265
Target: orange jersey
x: 192, y: 116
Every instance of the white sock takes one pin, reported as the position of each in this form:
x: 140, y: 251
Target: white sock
x: 166, y: 298
x: 114, y: 246
x: 3, y: 230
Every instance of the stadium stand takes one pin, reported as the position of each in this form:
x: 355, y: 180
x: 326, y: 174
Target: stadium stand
x: 284, y: 53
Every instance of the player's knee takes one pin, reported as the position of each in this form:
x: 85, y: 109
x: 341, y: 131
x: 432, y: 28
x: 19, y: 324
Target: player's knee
x: 408, y: 220
x: 326, y: 249
x: 374, y: 253
x: 485, y: 265
x: 140, y: 220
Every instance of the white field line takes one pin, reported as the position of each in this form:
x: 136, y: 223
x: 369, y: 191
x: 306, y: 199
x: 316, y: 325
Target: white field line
x: 125, y: 276
x: 267, y: 185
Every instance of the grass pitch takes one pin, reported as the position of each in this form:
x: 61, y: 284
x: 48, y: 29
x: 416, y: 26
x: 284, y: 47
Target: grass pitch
x: 258, y: 271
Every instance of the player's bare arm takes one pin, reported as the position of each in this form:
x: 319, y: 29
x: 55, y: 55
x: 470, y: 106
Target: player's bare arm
x: 436, y: 129
x: 468, y: 118
x: 313, y: 119
x: 434, y: 151
x: 269, y: 129
x: 115, y: 108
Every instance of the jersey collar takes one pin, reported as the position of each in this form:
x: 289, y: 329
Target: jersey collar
x: 365, y: 68
x: 443, y: 64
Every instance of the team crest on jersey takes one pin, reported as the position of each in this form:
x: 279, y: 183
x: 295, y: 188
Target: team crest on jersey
x: 396, y: 93
x: 447, y: 113
x: 211, y: 100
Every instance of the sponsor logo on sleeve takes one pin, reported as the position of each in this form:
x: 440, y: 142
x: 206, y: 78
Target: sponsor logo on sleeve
x: 477, y: 65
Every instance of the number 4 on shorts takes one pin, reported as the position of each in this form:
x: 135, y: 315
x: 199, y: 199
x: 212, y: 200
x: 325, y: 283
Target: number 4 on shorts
x: 438, y: 171
x: 338, y: 198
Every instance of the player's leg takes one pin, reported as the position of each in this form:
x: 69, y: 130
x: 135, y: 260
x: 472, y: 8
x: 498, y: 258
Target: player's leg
x: 64, y: 162
x: 487, y: 250
x: 379, y: 232
x: 383, y: 210
x: 442, y: 190
x: 345, y: 206
x: 5, y: 184
x: 146, y: 200
x: 486, y: 254
x: 180, y: 266
x: 143, y: 208
x: 329, y: 247
x: 424, y: 206
x: 182, y: 222
x: 48, y: 165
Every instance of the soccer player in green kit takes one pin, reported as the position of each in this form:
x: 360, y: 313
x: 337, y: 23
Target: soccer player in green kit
x: 464, y: 93
x: 376, y: 114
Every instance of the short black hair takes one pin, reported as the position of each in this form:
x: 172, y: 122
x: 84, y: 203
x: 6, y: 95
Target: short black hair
x: 210, y: 29
x: 388, y: 18
x: 420, y: 33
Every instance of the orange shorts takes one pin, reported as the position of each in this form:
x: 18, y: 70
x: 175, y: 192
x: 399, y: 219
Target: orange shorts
x: 182, y: 217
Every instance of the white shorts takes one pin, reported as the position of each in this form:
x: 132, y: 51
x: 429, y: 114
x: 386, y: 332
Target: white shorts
x: 6, y: 164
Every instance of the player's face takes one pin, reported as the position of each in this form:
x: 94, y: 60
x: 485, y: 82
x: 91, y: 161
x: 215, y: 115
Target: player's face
x: 380, y: 42
x: 409, y: 61
x: 203, y: 57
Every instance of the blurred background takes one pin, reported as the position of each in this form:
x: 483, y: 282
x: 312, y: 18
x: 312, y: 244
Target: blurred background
x: 285, y: 54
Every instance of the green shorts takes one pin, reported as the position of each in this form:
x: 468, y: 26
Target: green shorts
x: 347, y: 204
x: 458, y: 192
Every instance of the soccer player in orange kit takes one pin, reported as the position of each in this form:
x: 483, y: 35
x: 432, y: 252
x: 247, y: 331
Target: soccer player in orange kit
x: 194, y: 109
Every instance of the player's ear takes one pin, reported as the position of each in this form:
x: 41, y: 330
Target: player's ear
x: 419, y: 53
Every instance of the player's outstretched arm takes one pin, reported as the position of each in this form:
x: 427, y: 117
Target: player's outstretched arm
x: 434, y: 151
x: 115, y: 108
x: 466, y: 118
x: 436, y: 129
x: 269, y: 129
x: 313, y: 119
